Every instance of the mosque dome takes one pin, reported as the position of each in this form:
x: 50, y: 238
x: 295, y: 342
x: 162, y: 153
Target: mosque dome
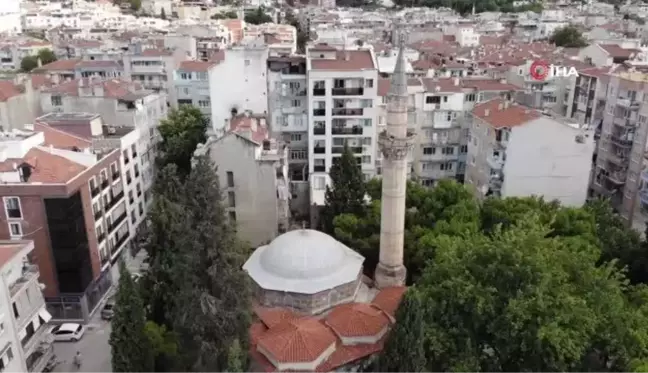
x: 303, y: 261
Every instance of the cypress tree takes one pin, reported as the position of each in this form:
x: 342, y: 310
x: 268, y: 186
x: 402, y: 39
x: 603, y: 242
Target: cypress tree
x: 131, y: 351
x: 347, y: 191
x: 404, y: 350
x: 214, y: 311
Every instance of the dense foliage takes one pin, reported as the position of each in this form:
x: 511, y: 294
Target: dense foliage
x: 29, y: 63
x: 225, y: 15
x: 569, y: 37
x: 258, y: 16
x: 181, y: 133
x: 129, y: 344
x: 302, y: 35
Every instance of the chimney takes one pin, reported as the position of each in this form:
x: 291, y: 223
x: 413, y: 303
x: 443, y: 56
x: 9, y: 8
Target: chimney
x: 39, y: 63
x: 15, y: 165
x: 347, y: 56
x: 55, y: 79
x: 506, y: 104
x: 486, y: 112
x: 456, y: 81
x: 500, y: 107
x: 503, y: 81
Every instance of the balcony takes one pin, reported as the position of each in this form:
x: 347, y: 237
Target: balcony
x: 319, y: 92
x: 115, y: 200
x: 319, y: 150
x: 340, y: 149
x: 104, y: 184
x: 345, y: 111
x: 94, y: 192
x: 115, y: 175
x: 628, y: 103
x: 37, y: 361
x: 98, y: 215
x: 617, y: 159
x: 495, y: 162
x: 319, y: 131
x: 347, y: 91
x: 120, y: 241
x: 104, y: 261
x: 101, y: 237
x: 29, y: 273
x: 117, y: 222
x: 39, y: 337
x: 620, y: 141
x: 616, y: 177
x: 319, y: 112
x: 356, y: 130
x: 320, y: 168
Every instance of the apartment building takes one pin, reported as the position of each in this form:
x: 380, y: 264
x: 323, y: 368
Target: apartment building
x: 585, y: 102
x: 70, y: 202
x: 253, y: 171
x: 288, y: 119
x: 26, y: 345
x: 12, y: 51
x: 342, y: 110
x: 515, y: 151
x: 191, y: 82
x: 19, y: 101
x: 622, y: 145
x: 154, y: 68
x: 437, y: 107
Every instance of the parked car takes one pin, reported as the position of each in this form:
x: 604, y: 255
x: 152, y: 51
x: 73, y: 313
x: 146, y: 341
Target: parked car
x: 68, y: 332
x: 109, y: 310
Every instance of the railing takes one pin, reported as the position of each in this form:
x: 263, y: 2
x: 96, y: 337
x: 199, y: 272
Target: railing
x: 356, y: 130
x: 617, y: 177
x: 495, y: 162
x: 319, y: 112
x: 340, y: 149
x: 119, y: 242
x: 118, y: 221
x: 344, y: 111
x: 319, y: 131
x: 319, y: 168
x: 626, y: 102
x: 115, y: 199
x: 347, y: 91
x: 616, y: 159
x: 29, y: 271
x: 319, y: 150
x: 620, y: 141
x: 319, y: 92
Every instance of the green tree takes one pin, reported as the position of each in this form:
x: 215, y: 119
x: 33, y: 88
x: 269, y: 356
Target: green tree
x: 31, y: 62
x: 225, y: 15
x: 404, y: 351
x: 302, y: 35
x: 347, y: 191
x: 235, y: 358
x: 214, y: 307
x: 569, y: 37
x: 130, y: 349
x: 135, y: 5
x: 164, y: 347
x: 521, y: 300
x: 181, y: 133
x: 258, y: 17
x: 163, y: 14
x: 169, y: 238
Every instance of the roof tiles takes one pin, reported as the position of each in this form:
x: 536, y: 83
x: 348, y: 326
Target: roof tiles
x: 499, y: 113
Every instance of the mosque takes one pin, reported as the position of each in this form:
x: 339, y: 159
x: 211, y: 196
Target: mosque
x: 316, y: 310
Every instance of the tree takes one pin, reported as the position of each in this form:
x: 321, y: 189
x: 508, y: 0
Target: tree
x: 135, y: 5
x: 164, y: 347
x: 181, y: 133
x: 302, y: 36
x: 130, y: 348
x: 169, y: 238
x: 225, y: 15
x: 31, y: 62
x: 213, y: 312
x: 163, y: 14
x: 404, y: 351
x: 258, y: 17
x: 235, y: 358
x: 346, y: 193
x: 520, y: 300
x: 569, y: 37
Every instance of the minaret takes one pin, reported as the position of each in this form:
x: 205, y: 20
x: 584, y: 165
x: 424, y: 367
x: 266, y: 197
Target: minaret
x: 395, y: 144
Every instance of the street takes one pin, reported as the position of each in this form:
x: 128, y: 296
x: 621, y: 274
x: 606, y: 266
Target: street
x: 94, y: 347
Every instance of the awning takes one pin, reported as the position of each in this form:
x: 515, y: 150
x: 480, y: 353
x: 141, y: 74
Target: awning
x: 45, y: 315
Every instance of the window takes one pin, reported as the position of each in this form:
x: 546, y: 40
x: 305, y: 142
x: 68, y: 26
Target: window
x: 185, y: 76
x: 134, y: 150
x: 369, y: 83
x: 429, y: 150
x: 12, y: 208
x: 232, y: 216
x: 367, y: 122
x: 125, y: 155
x: 463, y: 149
x: 319, y: 183
x: 470, y: 97
x: 445, y: 98
x: 446, y: 166
x: 230, y: 179
x: 133, y: 218
x: 15, y: 229
x: 296, y: 103
x: 447, y: 150
x: 15, y: 310
x: 114, y: 169
x: 433, y: 100
x: 231, y: 199
x: 365, y: 103
x: 298, y: 154
x: 247, y: 62
x: 57, y: 101
x: 204, y: 103
x: 366, y: 159
x: 295, y: 137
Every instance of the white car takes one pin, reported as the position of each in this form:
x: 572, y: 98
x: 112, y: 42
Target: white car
x: 68, y: 332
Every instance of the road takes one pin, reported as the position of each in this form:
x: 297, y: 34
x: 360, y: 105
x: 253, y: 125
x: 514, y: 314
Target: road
x: 94, y: 347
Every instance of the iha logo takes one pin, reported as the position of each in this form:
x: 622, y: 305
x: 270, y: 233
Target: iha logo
x: 541, y: 70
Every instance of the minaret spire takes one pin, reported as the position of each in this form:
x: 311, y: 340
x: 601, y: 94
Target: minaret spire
x: 395, y: 144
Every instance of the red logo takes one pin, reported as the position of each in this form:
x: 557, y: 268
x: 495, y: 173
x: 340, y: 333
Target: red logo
x: 539, y: 70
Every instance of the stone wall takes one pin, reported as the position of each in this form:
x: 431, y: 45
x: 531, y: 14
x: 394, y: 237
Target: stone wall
x: 308, y: 303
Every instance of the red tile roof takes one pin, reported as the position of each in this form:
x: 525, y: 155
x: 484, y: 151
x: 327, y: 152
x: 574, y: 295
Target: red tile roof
x: 274, y: 316
x: 357, y: 320
x: 297, y: 341
x: 61, y: 139
x: 346, y: 61
x: 250, y: 126
x: 496, y: 113
x: 616, y: 51
x: 112, y: 88
x: 46, y: 167
x: 196, y: 66
x: 59, y: 65
x: 8, y: 90
x: 388, y: 299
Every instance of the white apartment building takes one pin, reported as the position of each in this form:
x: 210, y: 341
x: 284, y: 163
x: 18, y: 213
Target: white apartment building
x: 191, y: 84
x: 25, y: 345
x: 10, y: 20
x: 515, y: 151
x: 238, y: 84
x: 342, y: 110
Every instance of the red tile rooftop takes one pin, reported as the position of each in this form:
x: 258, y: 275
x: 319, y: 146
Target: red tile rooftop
x: 45, y: 167
x: 8, y: 250
x: 500, y: 113
x: 345, y: 61
x: 61, y: 139
x: 196, y: 66
x: 59, y: 65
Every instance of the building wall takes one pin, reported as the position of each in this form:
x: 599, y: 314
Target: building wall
x: 543, y: 158
x: 238, y: 82
x: 255, y: 188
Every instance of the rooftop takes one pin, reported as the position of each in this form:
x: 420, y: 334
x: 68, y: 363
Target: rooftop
x: 352, y: 60
x: 9, y: 249
x: 500, y: 113
x: 116, y: 132
x: 68, y: 117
